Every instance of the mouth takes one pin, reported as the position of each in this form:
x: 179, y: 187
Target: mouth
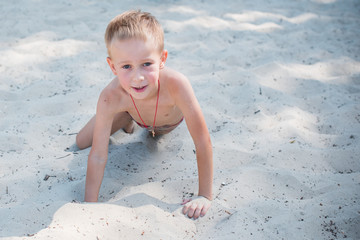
x: 139, y: 89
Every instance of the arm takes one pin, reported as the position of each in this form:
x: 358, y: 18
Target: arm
x: 99, y: 151
x: 198, y: 130
x: 185, y: 99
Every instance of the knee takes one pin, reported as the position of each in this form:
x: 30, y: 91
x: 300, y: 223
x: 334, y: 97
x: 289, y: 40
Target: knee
x: 80, y: 142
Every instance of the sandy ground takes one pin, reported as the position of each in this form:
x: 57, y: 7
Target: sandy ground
x: 279, y: 84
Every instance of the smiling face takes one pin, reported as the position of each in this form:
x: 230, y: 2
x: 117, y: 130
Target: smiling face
x: 137, y: 64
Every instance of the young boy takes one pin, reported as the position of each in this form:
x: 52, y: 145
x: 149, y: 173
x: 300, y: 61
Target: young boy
x: 145, y: 91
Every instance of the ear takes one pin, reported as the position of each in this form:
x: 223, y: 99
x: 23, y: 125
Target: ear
x: 111, y: 65
x: 163, y: 58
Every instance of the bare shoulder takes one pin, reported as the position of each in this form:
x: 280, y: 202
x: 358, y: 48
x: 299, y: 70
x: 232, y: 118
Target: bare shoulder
x: 176, y: 82
x: 111, y: 99
x: 173, y: 76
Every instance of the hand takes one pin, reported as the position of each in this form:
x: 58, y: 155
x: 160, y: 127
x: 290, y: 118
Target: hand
x: 197, y: 207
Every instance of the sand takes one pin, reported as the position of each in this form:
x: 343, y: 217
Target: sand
x: 279, y: 85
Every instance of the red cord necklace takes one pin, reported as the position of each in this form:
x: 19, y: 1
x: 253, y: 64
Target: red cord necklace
x: 157, y: 102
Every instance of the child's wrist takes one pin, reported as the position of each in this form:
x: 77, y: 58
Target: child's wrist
x: 203, y: 196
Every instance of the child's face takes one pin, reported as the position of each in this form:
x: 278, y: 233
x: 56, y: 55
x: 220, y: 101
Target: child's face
x: 137, y: 64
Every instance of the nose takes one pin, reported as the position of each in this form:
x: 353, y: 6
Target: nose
x: 138, y: 76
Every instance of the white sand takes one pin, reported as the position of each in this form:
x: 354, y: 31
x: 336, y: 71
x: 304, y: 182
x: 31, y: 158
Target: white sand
x: 279, y: 84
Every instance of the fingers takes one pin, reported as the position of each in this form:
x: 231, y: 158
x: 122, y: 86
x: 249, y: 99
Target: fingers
x: 197, y: 212
x: 192, y: 210
x: 189, y: 209
x: 204, y: 210
x: 185, y: 201
x: 196, y: 208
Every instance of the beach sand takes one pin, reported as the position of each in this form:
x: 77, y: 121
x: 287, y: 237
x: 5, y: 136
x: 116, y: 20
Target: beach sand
x: 279, y: 85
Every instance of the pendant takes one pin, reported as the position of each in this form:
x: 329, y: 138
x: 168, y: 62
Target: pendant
x: 153, y: 133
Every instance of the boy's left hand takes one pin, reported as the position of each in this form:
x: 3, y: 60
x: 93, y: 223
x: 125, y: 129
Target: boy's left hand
x: 196, y: 207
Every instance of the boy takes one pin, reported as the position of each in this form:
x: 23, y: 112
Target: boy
x: 145, y: 91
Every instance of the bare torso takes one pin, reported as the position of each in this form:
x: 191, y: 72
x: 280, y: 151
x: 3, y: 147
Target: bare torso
x: 168, y: 114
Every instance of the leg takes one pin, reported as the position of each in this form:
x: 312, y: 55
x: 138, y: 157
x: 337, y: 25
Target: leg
x: 85, y: 136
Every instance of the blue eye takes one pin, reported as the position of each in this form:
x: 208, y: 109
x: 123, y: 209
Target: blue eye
x: 147, y: 64
x: 126, y: 67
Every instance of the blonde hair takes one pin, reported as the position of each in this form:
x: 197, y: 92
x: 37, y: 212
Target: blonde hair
x: 134, y: 24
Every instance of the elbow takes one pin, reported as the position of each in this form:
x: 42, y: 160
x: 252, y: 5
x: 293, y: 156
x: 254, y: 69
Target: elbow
x: 203, y: 139
x: 97, y: 160
x: 203, y: 143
